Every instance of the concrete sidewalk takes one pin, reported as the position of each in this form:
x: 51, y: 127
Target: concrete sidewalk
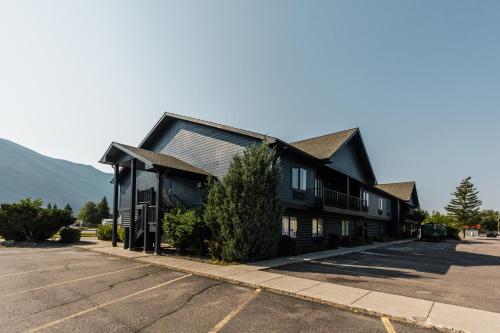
x: 407, y: 309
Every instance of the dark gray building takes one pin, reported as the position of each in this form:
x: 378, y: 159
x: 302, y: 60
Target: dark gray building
x: 328, y: 184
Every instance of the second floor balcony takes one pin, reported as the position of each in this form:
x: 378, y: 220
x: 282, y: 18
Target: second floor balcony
x: 340, y: 200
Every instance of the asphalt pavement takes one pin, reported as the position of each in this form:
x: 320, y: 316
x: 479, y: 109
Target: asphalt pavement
x: 71, y: 290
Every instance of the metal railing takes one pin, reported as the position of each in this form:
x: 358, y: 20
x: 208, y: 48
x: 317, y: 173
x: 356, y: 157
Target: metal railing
x: 340, y: 200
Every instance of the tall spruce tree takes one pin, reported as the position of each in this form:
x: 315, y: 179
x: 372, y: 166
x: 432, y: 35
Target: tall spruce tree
x: 464, y: 206
x: 243, y: 209
x: 68, y: 209
x: 103, y: 209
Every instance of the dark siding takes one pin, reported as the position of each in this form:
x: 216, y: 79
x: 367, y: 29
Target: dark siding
x: 187, y: 191
x: 208, y: 148
x: 332, y: 224
x: 373, y: 228
x: 285, y: 187
x: 352, y: 161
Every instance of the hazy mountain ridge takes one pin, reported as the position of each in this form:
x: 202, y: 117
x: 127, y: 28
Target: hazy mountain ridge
x: 26, y: 173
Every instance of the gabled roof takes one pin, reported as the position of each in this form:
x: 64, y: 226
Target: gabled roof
x: 402, y: 191
x: 150, y: 159
x: 324, y: 146
x: 167, y: 117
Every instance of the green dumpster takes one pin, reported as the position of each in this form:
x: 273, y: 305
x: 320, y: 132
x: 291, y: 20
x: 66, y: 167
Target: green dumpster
x: 433, y: 232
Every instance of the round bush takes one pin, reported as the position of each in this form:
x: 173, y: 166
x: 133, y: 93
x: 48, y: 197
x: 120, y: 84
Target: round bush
x: 105, y: 232
x: 70, y: 235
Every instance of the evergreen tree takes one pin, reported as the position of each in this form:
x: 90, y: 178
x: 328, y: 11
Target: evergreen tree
x: 55, y: 207
x: 49, y: 206
x: 68, y: 209
x: 464, y: 206
x: 243, y: 209
x: 103, y: 209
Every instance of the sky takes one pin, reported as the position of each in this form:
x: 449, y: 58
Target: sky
x: 421, y: 79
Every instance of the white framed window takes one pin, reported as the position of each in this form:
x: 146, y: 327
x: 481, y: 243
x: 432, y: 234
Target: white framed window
x: 318, y: 188
x: 365, y: 195
x: 293, y: 227
x: 289, y: 226
x: 345, y: 228
x: 285, y: 226
x: 299, y: 179
x: 317, y: 227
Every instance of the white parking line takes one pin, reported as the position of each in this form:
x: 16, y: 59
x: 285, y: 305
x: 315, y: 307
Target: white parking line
x: 55, y: 322
x: 233, y: 313
x: 56, y: 267
x: 72, y: 281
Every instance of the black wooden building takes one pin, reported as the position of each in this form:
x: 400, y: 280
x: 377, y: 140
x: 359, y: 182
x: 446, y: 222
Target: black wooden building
x: 328, y: 184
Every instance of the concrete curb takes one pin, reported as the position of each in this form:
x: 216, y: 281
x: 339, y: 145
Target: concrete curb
x: 415, y: 311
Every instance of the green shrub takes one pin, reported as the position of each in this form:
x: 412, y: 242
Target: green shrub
x: 243, y: 210
x: 452, y: 233
x: 333, y: 241
x: 70, y: 235
x: 287, y: 246
x: 186, y: 230
x: 121, y: 234
x: 28, y: 220
x: 105, y: 232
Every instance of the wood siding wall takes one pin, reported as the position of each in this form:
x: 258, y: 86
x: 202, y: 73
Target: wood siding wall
x: 208, y: 148
x: 351, y: 160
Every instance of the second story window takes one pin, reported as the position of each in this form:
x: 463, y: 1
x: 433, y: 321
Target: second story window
x: 318, y: 188
x: 366, y: 197
x: 380, y: 205
x: 299, y: 179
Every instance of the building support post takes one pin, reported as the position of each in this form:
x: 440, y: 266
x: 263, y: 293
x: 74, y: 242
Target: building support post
x: 115, y: 207
x: 348, y: 190
x: 159, y: 202
x: 133, y: 172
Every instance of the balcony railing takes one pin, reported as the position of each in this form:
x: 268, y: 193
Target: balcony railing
x: 340, y: 200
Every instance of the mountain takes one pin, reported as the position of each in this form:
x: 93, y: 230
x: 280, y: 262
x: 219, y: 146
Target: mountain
x: 26, y: 173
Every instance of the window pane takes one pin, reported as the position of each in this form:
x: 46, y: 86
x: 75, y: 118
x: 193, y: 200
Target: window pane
x: 295, y: 178
x: 314, y: 227
x: 284, y: 226
x: 345, y: 228
x: 293, y: 227
x: 303, y: 179
x: 320, y: 228
x: 318, y: 188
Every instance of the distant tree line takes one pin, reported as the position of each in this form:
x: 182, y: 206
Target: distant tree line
x: 464, y: 210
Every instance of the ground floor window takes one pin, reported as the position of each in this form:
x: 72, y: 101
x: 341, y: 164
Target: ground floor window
x: 317, y: 227
x: 345, y: 228
x: 289, y: 226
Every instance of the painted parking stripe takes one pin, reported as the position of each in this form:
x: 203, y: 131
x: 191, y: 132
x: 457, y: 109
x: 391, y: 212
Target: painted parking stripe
x: 387, y: 324
x: 233, y: 313
x: 55, y: 322
x: 56, y: 267
x: 72, y: 281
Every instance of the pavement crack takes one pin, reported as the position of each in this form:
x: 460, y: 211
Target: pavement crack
x: 108, y: 288
x: 186, y: 302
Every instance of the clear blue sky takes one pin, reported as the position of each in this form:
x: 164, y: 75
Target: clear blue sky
x: 420, y: 78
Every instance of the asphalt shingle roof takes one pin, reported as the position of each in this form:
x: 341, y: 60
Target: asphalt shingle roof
x: 401, y: 190
x: 162, y: 160
x: 325, y: 146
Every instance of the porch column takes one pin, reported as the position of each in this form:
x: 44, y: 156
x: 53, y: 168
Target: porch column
x: 115, y: 207
x: 131, y: 238
x: 348, y: 191
x: 159, y: 202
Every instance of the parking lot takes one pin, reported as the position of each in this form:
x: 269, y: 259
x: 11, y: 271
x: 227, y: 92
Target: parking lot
x: 67, y: 289
x: 463, y: 273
